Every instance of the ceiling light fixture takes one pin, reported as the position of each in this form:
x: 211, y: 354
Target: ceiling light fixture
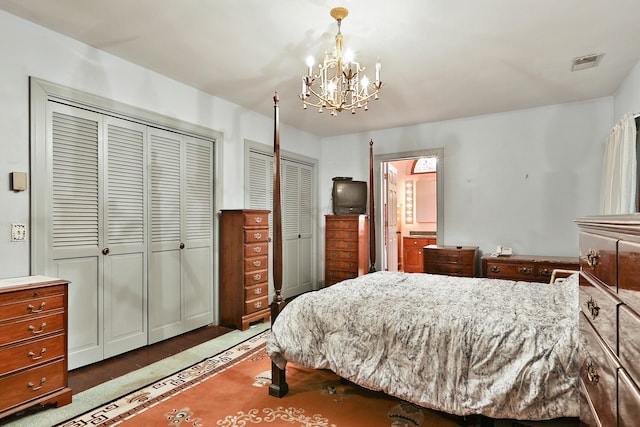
x: 340, y: 85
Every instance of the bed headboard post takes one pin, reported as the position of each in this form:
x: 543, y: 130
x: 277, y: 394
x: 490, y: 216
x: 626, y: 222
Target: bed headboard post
x: 372, y: 223
x: 278, y: 385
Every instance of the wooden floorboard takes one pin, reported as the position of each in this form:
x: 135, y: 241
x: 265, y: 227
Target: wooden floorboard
x: 89, y: 376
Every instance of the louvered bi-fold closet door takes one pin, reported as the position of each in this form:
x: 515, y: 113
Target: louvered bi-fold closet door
x: 181, y: 230
x: 297, y: 227
x: 96, y: 230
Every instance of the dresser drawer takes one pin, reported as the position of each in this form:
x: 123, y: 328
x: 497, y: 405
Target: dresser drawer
x: 256, y: 249
x: 29, y: 294
x: 256, y: 235
x: 629, y: 341
x: 256, y: 263
x: 629, y: 273
x: 588, y: 416
x: 449, y: 269
x: 342, y: 224
x: 545, y: 270
x: 600, y: 306
x: 255, y: 277
x: 343, y: 265
x: 628, y: 400
x: 256, y: 304
x: 598, y: 257
x: 256, y: 219
x: 32, y: 307
x: 342, y: 244
x: 255, y: 291
x: 33, y: 383
x: 32, y: 328
x: 30, y: 353
x: 598, y: 367
x: 338, y: 275
x: 342, y: 255
x: 511, y: 270
x: 351, y: 235
x: 449, y: 257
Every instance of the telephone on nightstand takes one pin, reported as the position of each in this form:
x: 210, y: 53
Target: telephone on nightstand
x: 502, y: 251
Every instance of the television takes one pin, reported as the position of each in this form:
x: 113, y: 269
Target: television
x: 349, y: 197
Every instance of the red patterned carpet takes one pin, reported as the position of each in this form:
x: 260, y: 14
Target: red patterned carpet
x: 230, y: 389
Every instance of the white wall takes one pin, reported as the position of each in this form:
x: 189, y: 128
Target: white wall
x: 627, y: 97
x: 517, y: 178
x: 30, y: 50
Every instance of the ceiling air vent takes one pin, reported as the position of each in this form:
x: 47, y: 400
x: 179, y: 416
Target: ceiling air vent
x: 584, y: 62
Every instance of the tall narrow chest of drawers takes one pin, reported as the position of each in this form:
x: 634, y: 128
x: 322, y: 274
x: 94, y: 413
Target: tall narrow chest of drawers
x: 244, y: 267
x: 346, y: 247
x: 609, y: 296
x: 33, y: 343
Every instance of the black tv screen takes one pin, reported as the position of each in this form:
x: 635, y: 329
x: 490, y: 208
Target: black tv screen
x: 349, y: 197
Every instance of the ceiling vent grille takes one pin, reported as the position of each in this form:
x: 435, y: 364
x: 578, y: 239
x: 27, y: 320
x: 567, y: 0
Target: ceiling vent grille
x: 584, y: 62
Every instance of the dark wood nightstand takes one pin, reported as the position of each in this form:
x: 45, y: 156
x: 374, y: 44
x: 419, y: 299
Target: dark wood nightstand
x: 451, y: 260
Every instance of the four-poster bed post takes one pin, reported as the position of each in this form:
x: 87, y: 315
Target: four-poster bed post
x: 372, y: 223
x: 278, y: 385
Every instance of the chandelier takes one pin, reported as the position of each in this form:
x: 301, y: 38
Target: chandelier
x: 341, y: 83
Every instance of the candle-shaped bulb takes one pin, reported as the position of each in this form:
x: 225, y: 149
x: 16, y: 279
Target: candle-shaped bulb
x: 378, y: 66
x: 310, y: 64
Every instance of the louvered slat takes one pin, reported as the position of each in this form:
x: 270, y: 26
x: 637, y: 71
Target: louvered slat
x: 199, y: 190
x: 165, y: 189
x: 74, y: 210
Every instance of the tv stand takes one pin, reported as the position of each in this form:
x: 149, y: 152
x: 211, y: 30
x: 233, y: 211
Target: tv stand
x: 346, y: 247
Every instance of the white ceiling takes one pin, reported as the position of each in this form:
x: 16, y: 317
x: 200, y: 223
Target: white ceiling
x: 441, y: 59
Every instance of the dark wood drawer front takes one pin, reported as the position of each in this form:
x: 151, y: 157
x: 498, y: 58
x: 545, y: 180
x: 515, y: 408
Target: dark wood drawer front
x: 32, y: 328
x: 29, y: 294
x: 449, y: 257
x: 629, y: 344
x: 255, y: 277
x: 449, y: 269
x: 514, y: 271
x: 33, y: 383
x: 544, y: 270
x: 337, y: 275
x: 628, y: 400
x: 342, y: 244
x: 256, y: 249
x: 256, y: 235
x: 31, y: 353
x: 629, y: 273
x: 255, y: 291
x: 32, y: 307
x: 256, y: 263
x: 351, y: 235
x: 598, y: 258
x: 260, y: 219
x: 599, y: 304
x: 588, y: 416
x: 342, y: 255
x: 254, y: 305
x: 342, y: 224
x: 598, y: 367
x: 343, y: 265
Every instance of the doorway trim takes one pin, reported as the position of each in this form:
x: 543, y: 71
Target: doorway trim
x: 378, y: 159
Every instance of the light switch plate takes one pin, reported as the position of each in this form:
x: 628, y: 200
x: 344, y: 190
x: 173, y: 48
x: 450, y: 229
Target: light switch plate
x: 18, y: 232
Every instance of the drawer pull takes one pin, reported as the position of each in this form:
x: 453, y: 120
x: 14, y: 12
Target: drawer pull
x: 257, y: 236
x: 525, y: 270
x: 257, y: 249
x: 257, y: 220
x: 545, y: 272
x: 257, y: 291
x: 592, y: 374
x: 495, y: 269
x: 592, y: 307
x: 257, y: 276
x: 33, y: 387
x: 258, y: 304
x: 34, y: 331
x: 33, y: 356
x: 332, y: 264
x: 257, y: 263
x: 592, y: 258
x: 33, y: 310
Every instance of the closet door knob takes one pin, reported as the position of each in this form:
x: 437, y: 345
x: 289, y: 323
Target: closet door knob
x: 181, y: 245
x: 105, y: 251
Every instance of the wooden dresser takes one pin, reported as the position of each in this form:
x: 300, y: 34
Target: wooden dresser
x: 33, y: 343
x: 609, y: 350
x: 528, y: 268
x: 451, y: 260
x: 412, y: 253
x: 346, y: 247
x: 244, y: 267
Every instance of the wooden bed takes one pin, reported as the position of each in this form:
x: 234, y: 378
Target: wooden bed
x: 465, y: 346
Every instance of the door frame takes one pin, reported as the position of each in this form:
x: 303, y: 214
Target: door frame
x: 378, y: 177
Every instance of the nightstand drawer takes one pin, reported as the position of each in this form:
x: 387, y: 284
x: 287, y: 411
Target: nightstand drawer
x: 32, y: 328
x: 30, y: 353
x: 32, y: 307
x: 32, y: 383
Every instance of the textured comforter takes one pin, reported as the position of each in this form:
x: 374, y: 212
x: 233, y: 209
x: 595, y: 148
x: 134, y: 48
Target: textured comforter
x: 464, y: 346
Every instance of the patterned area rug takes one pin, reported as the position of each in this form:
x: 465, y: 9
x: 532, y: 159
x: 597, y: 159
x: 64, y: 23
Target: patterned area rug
x: 230, y: 390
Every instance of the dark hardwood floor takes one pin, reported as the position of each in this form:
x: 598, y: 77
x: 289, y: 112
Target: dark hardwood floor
x: 83, y: 378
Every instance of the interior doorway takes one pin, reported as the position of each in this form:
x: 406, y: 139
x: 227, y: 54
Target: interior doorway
x: 410, y: 198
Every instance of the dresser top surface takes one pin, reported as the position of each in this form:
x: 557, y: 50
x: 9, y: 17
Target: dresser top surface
x: 14, y: 282
x: 536, y: 258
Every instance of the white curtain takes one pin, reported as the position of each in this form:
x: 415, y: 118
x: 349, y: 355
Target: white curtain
x: 619, y: 176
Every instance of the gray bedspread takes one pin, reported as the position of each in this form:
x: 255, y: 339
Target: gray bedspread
x: 464, y: 346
